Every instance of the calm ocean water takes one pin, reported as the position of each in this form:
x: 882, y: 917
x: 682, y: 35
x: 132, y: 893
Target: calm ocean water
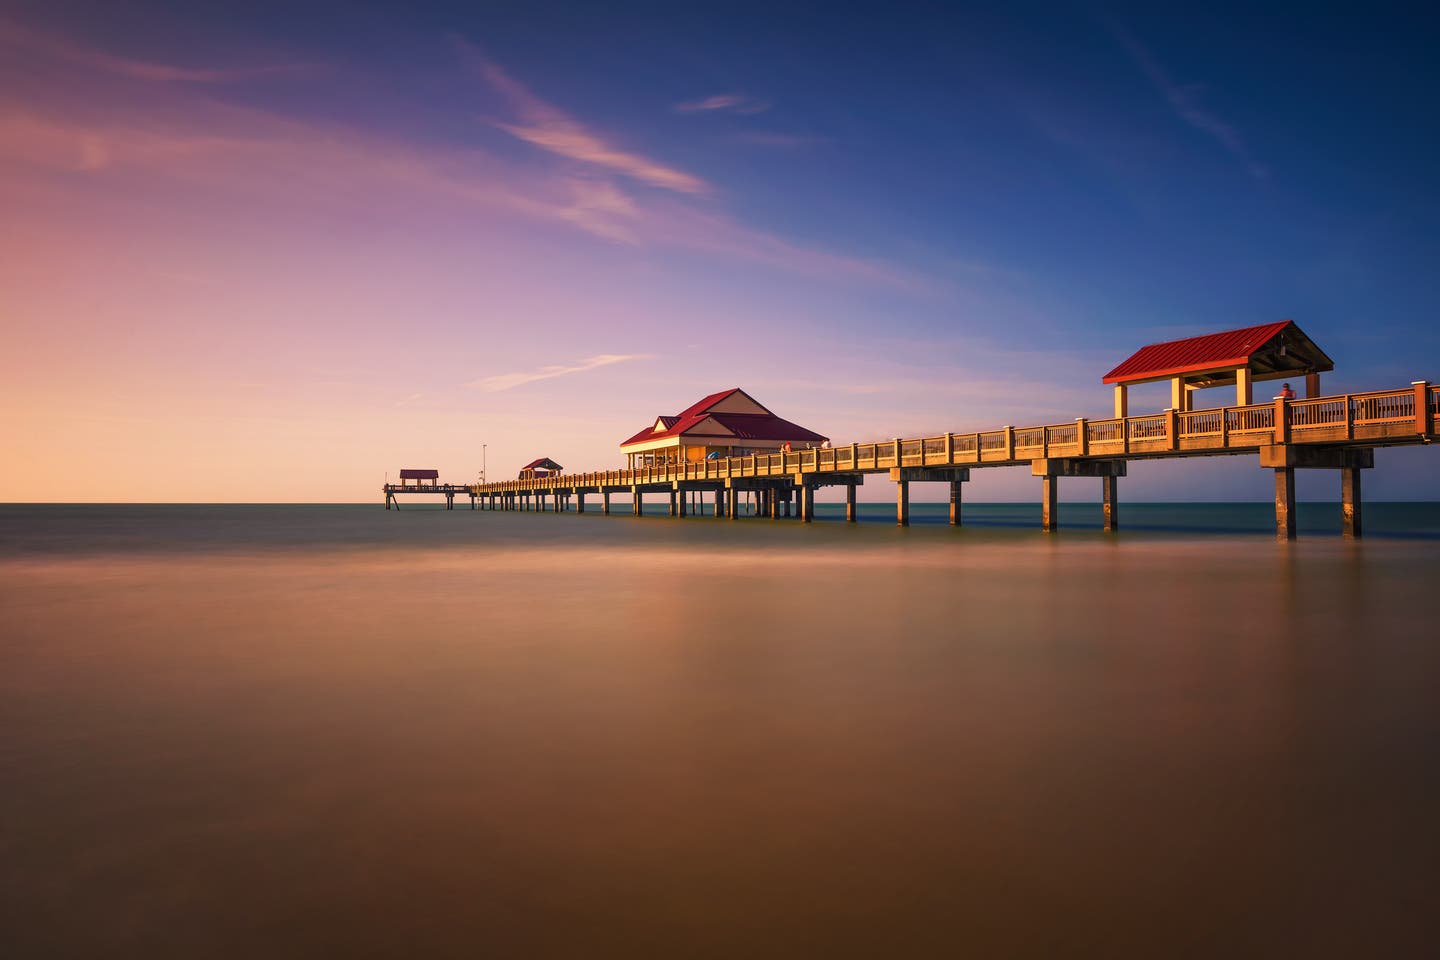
x: 340, y: 731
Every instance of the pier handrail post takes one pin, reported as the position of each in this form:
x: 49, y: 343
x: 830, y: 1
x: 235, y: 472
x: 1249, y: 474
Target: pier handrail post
x: 1172, y: 427
x: 1282, y: 420
x: 1082, y: 436
x: 949, y: 448
x: 1009, y: 443
x: 854, y: 456
x: 1424, y: 418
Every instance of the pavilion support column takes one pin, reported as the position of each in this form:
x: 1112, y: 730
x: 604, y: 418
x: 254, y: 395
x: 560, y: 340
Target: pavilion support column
x: 1177, y: 393
x: 1244, y: 387
x: 956, y: 488
x: 1312, y: 386
x: 850, y: 503
x: 1110, y: 502
x: 902, y: 502
x: 1350, y: 527
x: 1284, y: 503
x: 1049, y: 503
x: 1122, y: 401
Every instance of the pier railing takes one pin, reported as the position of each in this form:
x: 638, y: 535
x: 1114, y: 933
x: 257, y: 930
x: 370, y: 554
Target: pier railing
x: 1386, y: 416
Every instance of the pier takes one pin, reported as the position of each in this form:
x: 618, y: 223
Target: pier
x: 1338, y: 433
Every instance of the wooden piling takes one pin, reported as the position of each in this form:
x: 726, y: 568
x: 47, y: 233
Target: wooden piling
x: 1284, y: 502
x: 1351, y: 527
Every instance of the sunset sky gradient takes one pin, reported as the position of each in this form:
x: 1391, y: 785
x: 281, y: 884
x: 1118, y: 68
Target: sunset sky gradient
x: 252, y: 254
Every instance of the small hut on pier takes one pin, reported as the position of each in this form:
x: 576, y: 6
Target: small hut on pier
x: 730, y: 423
x: 419, y: 476
x: 1271, y: 351
x: 542, y: 467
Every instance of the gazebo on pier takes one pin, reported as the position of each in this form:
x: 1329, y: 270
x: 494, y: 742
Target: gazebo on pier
x: 542, y: 467
x: 730, y: 423
x: 1271, y: 351
x: 419, y: 476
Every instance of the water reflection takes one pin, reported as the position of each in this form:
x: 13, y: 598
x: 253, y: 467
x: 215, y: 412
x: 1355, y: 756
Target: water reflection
x: 848, y: 742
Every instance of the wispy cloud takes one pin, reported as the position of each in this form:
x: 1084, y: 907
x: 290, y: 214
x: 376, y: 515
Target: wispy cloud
x: 91, y: 59
x: 1184, y: 100
x: 724, y: 103
x: 119, y: 135
x: 550, y: 128
x: 509, y: 381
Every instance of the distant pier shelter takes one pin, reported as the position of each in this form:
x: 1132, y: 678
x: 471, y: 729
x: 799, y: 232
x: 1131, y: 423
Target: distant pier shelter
x: 414, y: 480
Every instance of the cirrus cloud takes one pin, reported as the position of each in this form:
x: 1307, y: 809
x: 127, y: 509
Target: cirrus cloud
x: 509, y: 381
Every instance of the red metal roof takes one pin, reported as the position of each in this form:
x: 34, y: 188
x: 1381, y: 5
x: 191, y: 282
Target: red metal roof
x: 543, y: 463
x: 1227, y: 349
x: 744, y: 426
x: 411, y: 473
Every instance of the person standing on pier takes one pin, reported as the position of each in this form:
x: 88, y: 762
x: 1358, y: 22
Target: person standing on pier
x: 1286, y: 393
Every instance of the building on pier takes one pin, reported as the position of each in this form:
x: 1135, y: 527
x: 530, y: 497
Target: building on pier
x: 419, y: 476
x: 1238, y: 358
x: 542, y: 467
x: 730, y: 423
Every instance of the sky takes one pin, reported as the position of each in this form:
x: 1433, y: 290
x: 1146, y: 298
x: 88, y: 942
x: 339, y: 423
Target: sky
x: 256, y: 253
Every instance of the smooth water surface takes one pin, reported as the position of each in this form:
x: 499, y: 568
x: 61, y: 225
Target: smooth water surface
x: 341, y: 731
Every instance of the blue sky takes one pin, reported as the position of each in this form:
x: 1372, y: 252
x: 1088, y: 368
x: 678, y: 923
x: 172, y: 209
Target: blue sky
x: 893, y: 221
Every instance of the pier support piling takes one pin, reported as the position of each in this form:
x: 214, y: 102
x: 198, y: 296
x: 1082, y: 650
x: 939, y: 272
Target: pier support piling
x: 850, y: 503
x: 605, y: 502
x: 1049, y: 502
x: 1350, y: 526
x: 1110, y: 502
x: 1051, y: 469
x: 955, y: 502
x: 1286, y: 458
x: 902, y: 502
x: 1284, y: 503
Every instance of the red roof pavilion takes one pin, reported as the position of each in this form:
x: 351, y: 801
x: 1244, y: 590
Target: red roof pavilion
x: 730, y: 422
x: 1270, y: 351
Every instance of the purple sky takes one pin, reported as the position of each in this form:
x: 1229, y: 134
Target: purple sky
x: 253, y: 255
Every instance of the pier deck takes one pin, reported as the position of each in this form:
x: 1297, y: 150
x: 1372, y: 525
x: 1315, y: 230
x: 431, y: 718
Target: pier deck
x: 1335, y: 432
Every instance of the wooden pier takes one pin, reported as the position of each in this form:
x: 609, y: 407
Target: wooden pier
x: 1328, y: 433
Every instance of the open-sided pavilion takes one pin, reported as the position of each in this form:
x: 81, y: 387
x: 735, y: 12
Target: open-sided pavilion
x: 1270, y: 351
